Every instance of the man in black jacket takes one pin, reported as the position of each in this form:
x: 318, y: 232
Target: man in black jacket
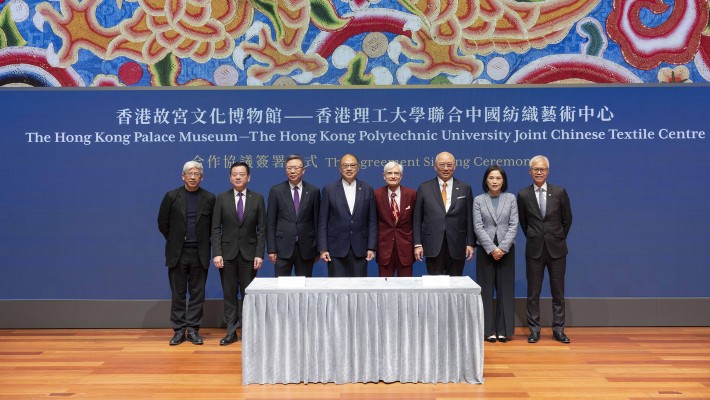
x: 292, y: 222
x: 185, y: 220
x: 545, y: 218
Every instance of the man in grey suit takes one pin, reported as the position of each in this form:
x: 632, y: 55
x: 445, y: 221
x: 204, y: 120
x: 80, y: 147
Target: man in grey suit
x: 185, y: 220
x: 443, y: 220
x: 545, y: 218
x: 238, y: 235
x: 292, y: 222
x: 347, y: 225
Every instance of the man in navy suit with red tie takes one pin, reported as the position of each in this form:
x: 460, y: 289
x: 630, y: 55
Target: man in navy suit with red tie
x: 395, y: 207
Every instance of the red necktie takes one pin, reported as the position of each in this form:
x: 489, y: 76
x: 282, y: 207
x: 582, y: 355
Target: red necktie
x: 394, y: 208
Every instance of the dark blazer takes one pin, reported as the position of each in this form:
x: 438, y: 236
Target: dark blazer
x: 551, y: 230
x: 431, y: 220
x: 172, y: 223
x: 388, y: 233
x: 231, y: 237
x: 338, y: 230
x: 283, y: 226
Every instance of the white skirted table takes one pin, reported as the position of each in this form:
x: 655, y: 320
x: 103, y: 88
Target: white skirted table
x: 347, y: 330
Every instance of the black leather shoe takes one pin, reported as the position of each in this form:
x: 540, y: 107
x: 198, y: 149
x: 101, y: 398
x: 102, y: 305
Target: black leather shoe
x: 561, y: 337
x: 178, y: 338
x: 503, y: 339
x: 491, y: 338
x: 194, y: 337
x: 534, y: 337
x: 229, y: 339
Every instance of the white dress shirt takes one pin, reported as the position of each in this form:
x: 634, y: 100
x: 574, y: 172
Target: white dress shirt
x: 350, y: 192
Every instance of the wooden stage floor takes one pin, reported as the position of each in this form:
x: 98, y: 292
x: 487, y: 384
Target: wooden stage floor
x: 600, y: 363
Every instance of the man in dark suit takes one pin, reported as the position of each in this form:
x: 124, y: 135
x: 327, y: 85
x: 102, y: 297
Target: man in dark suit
x: 443, y: 220
x: 545, y: 218
x: 292, y: 222
x: 185, y: 219
x: 395, y: 207
x: 238, y: 235
x: 347, y: 225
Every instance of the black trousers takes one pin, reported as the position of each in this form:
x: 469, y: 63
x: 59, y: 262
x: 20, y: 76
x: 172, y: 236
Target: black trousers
x: 188, y: 276
x: 303, y: 267
x: 236, y: 273
x: 499, y: 277
x: 347, y: 267
x: 444, y: 264
x: 535, y: 271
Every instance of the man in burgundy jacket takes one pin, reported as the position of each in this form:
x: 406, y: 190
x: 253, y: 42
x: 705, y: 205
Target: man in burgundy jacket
x: 395, y: 206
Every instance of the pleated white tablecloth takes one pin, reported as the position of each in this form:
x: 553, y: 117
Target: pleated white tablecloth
x: 346, y: 330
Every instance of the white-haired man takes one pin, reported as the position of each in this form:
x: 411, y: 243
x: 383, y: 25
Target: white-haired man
x: 545, y: 218
x: 395, y: 208
x: 185, y: 220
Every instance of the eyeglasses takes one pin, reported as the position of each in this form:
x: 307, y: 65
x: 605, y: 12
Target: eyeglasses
x: 539, y: 169
x: 294, y: 168
x: 192, y: 174
x: 445, y: 165
x: 348, y: 166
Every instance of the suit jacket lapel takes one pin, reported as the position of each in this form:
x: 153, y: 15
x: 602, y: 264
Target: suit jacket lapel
x: 181, y: 203
x: 404, y: 202
x: 358, y: 196
x: 306, y: 199
x: 231, y: 202
x: 533, y: 201
x: 340, y: 196
x: 201, y: 199
x: 385, y: 202
x: 248, y: 206
x: 454, y: 193
x: 288, y: 198
x: 437, y: 194
x: 491, y: 210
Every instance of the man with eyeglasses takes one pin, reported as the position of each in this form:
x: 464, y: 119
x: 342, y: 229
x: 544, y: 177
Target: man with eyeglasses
x: 347, y: 224
x: 185, y: 220
x: 443, y: 220
x: 238, y: 236
x: 545, y: 218
x: 292, y: 222
x: 395, y: 207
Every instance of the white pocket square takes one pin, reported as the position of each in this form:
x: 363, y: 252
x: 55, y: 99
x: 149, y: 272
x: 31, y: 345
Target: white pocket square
x: 408, y: 207
x: 461, y: 197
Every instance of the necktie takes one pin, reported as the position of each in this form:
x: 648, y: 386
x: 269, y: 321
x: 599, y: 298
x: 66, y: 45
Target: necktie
x: 543, y: 202
x: 443, y: 195
x: 240, y: 207
x: 296, y: 199
x: 394, y: 208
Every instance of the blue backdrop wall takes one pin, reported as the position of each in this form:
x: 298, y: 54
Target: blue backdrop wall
x: 85, y: 171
